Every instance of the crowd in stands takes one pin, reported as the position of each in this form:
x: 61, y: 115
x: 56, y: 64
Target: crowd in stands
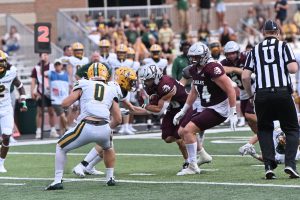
x: 139, y: 38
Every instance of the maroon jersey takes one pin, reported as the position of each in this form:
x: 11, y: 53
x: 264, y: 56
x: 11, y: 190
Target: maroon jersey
x: 209, y: 92
x: 237, y: 78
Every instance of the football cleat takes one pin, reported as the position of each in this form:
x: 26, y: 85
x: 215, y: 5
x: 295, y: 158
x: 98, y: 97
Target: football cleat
x: 111, y: 182
x: 55, y: 186
x: 270, y: 175
x: 293, y: 173
x: 2, y: 168
x: 247, y: 149
x: 79, y: 170
x: 92, y: 171
x: 191, y: 169
x: 203, y: 157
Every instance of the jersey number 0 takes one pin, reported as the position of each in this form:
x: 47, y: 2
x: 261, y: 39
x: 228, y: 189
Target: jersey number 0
x: 99, y: 92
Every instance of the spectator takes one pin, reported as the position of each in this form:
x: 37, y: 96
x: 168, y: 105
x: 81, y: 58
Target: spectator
x: 220, y: 10
x: 250, y: 26
x: 138, y: 24
x: 10, y: 41
x: 153, y: 26
x: 226, y: 34
x: 59, y: 90
x: 146, y: 36
x: 262, y: 10
x: 165, y: 34
x: 94, y: 35
x: 119, y: 37
x: 131, y: 34
x: 297, y: 19
x: 125, y: 23
x: 89, y: 23
x: 167, y: 53
x: 112, y: 24
x: 160, y: 22
x: 101, y: 24
x: 36, y: 94
x: 281, y: 7
x: 183, y: 7
x: 181, y: 61
x: 205, y: 6
x: 203, y: 34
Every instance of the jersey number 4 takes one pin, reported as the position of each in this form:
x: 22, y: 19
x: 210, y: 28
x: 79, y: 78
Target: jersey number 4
x: 99, y: 92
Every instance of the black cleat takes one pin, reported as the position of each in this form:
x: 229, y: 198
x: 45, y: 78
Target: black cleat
x: 111, y: 182
x: 270, y: 175
x: 57, y: 186
x: 293, y: 173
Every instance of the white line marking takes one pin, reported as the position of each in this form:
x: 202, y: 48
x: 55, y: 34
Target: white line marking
x: 12, y: 184
x: 158, y: 182
x: 230, y: 141
x: 141, y: 174
x: 257, y: 165
x: 118, y: 154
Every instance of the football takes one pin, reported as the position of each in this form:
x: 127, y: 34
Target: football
x: 153, y: 99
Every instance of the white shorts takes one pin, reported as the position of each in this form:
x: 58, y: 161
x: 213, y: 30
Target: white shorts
x: 7, y: 120
x: 220, y: 7
x: 84, y: 133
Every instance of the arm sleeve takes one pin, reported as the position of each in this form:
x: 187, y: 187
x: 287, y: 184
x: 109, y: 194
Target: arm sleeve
x: 186, y: 72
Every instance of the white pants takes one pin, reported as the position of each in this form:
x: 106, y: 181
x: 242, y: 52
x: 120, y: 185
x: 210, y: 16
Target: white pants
x: 83, y: 134
x: 7, y: 120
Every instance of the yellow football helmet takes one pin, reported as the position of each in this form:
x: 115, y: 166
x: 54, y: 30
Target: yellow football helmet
x: 130, y: 53
x: 155, y: 50
x: 98, y: 71
x: 121, y: 52
x: 104, y: 46
x: 78, y: 49
x: 3, y: 62
x: 126, y: 78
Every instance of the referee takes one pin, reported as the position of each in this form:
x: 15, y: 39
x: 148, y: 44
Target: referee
x: 272, y: 61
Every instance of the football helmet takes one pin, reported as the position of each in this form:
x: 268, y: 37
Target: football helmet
x: 215, y: 48
x: 121, y: 52
x: 155, y: 50
x: 126, y: 78
x: 198, y: 54
x: 97, y: 71
x: 78, y: 49
x: 150, y: 71
x: 3, y: 63
x: 232, y: 51
x: 104, y: 46
x: 130, y: 53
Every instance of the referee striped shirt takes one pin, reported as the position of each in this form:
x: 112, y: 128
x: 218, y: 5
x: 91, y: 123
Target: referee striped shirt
x: 269, y: 60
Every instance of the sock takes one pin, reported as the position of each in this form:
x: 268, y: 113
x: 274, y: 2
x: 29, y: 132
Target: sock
x: 192, y: 152
x: 60, y: 160
x: 91, y: 155
x: 109, y: 173
x: 94, y: 162
x: 2, y: 161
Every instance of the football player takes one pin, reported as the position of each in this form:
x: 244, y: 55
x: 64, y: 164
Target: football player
x: 99, y: 105
x: 8, y: 77
x: 233, y: 65
x: 156, y: 59
x: 106, y: 55
x: 125, y: 81
x: 216, y: 50
x: 217, y: 97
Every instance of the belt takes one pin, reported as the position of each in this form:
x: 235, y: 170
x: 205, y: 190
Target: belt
x: 273, y: 90
x: 96, y: 123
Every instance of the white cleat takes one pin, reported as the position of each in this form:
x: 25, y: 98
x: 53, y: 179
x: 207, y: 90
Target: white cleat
x: 247, y: 149
x: 191, y: 169
x: 203, y: 157
x: 79, y: 170
x: 93, y: 171
x: 2, y: 169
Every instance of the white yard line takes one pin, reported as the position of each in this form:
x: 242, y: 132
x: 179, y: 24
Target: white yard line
x: 12, y: 184
x: 118, y: 154
x: 157, y: 182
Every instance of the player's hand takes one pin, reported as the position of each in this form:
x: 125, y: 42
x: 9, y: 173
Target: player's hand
x: 178, y: 117
x: 233, y: 118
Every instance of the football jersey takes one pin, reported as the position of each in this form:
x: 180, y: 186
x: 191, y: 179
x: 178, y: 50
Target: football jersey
x: 96, y: 99
x: 77, y: 63
x: 237, y: 78
x: 209, y: 92
x: 5, y: 84
x: 162, y: 63
x: 132, y: 64
x: 121, y: 95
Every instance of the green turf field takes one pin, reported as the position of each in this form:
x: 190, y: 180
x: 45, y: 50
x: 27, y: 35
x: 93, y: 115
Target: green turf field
x: 146, y: 169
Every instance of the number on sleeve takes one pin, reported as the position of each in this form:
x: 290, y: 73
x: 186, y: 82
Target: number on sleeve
x: 205, y: 94
x: 2, y: 89
x: 99, y: 92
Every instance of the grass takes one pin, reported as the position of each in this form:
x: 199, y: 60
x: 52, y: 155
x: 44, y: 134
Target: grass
x: 227, y: 177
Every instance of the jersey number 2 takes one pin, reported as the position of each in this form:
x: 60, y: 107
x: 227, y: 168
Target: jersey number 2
x: 99, y: 92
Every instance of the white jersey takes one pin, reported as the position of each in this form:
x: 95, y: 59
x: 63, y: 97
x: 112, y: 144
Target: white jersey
x: 114, y: 84
x: 77, y: 63
x: 96, y: 99
x: 5, y: 84
x: 65, y: 60
x: 162, y: 63
x: 111, y: 56
x: 132, y: 64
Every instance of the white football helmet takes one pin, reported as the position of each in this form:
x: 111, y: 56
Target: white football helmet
x: 199, y: 54
x: 231, y: 46
x: 150, y: 71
